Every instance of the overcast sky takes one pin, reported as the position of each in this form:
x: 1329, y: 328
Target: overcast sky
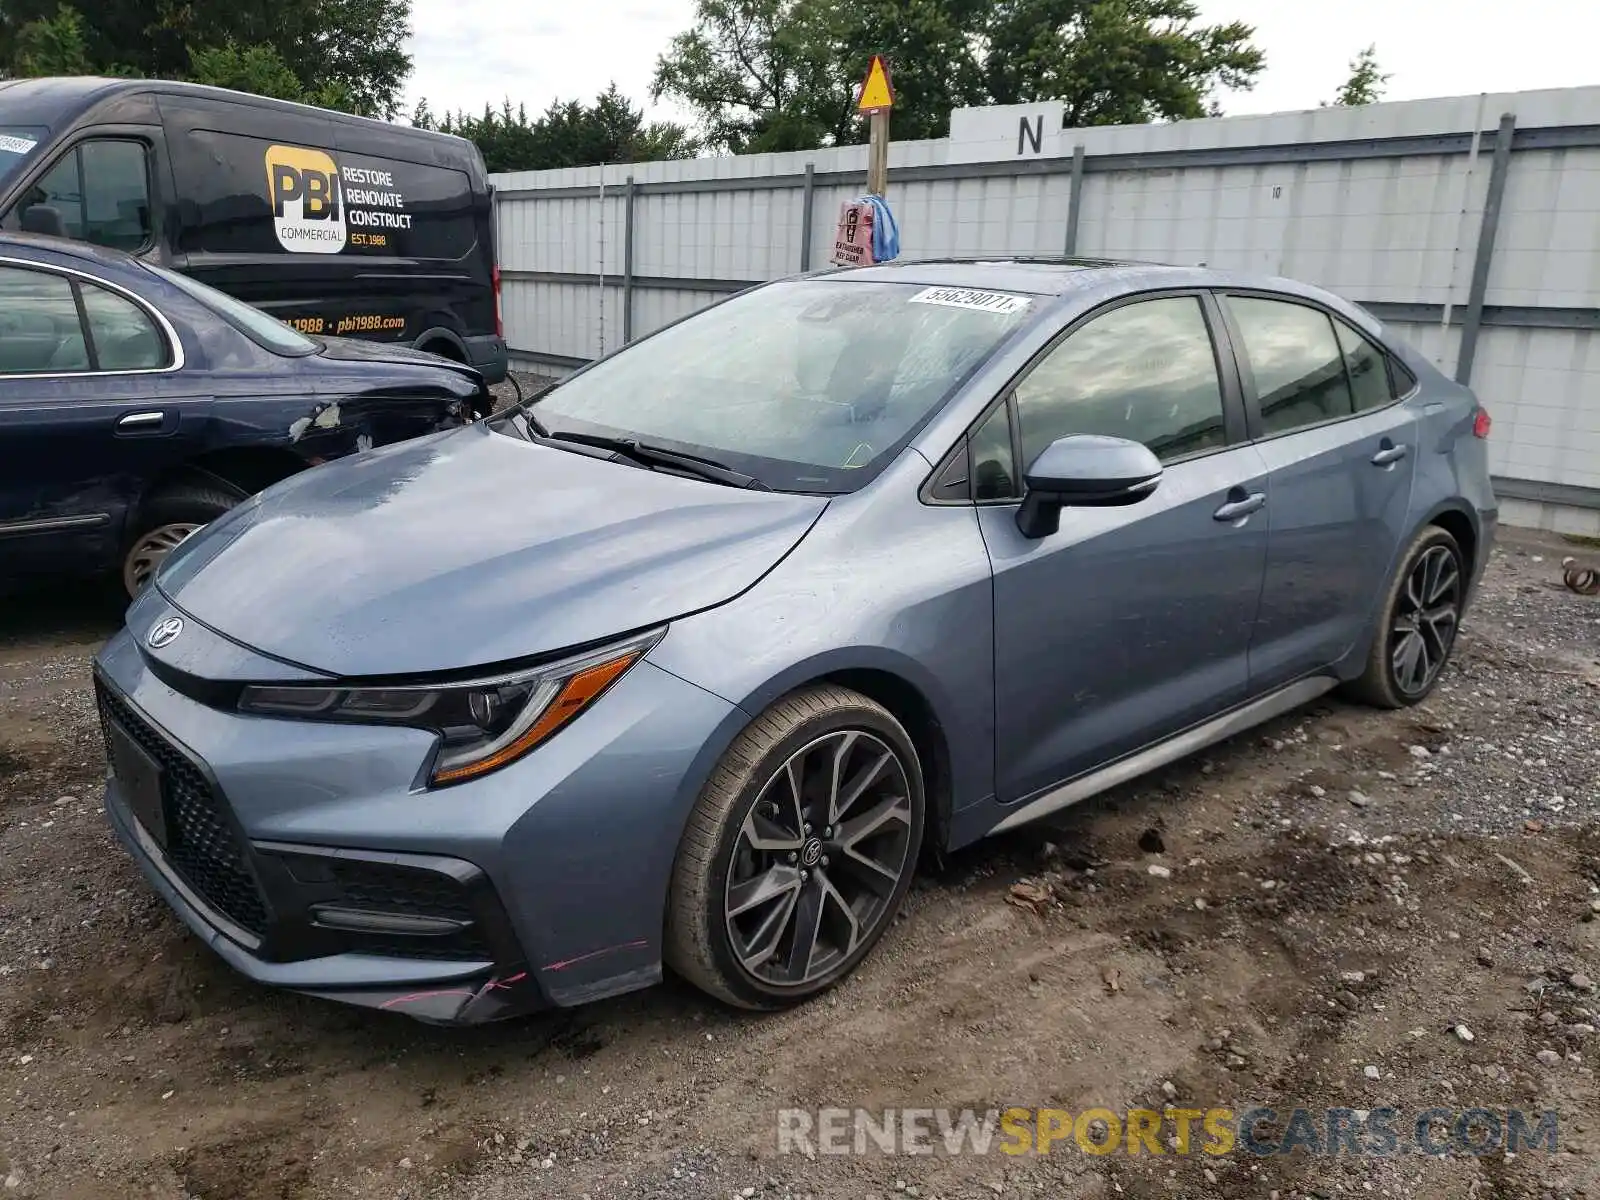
x: 468, y: 52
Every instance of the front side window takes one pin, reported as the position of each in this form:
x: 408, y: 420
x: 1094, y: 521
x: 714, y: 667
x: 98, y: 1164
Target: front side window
x: 809, y: 385
x: 994, y: 474
x: 124, y: 336
x: 1297, y: 363
x: 40, y: 333
x: 1145, y: 371
x: 101, y: 191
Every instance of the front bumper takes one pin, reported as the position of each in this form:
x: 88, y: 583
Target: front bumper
x: 309, y: 857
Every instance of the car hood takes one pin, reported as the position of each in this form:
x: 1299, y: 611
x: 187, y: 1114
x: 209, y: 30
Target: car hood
x: 470, y: 548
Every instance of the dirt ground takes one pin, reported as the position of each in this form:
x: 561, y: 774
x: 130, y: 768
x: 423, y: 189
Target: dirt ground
x: 1449, y: 854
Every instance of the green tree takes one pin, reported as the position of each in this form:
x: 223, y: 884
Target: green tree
x: 257, y: 69
x: 569, y: 134
x: 1116, y: 62
x: 1365, y: 84
x: 55, y: 45
x: 782, y: 74
x: 343, y: 53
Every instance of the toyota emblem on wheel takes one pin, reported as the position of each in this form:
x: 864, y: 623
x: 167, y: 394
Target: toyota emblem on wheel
x: 164, y: 634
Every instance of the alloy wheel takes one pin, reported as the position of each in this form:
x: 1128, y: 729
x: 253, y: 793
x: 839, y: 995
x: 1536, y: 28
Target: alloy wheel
x: 818, y: 858
x: 1427, y: 614
x: 150, y: 551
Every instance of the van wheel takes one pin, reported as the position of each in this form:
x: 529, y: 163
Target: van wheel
x: 798, y: 852
x: 164, y: 521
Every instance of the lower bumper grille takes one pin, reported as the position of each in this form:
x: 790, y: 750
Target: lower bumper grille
x: 202, y: 846
x: 359, y: 885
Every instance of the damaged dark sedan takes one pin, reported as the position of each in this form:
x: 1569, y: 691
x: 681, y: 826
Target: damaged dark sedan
x: 137, y: 405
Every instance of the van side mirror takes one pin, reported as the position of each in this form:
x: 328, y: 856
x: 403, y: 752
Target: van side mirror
x: 1084, y: 471
x: 45, y: 219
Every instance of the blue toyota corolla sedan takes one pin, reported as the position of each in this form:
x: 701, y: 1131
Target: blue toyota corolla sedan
x: 682, y: 663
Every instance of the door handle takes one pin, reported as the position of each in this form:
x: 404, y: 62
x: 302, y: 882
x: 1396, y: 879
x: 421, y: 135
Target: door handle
x: 1388, y: 455
x: 1233, y: 510
x: 141, y: 420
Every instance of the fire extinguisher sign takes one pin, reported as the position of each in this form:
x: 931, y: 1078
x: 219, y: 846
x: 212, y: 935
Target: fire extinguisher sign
x: 852, y: 244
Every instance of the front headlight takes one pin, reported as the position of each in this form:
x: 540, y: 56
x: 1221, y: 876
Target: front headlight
x: 483, y: 724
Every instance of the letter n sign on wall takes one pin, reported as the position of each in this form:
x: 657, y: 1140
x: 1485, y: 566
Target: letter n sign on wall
x: 1030, y: 134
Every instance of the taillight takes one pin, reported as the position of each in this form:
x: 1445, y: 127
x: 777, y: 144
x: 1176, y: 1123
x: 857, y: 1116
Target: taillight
x: 499, y: 325
x: 1481, y: 422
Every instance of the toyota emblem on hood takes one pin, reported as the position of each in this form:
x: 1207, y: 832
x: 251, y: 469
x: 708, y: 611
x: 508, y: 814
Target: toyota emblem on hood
x: 165, y: 633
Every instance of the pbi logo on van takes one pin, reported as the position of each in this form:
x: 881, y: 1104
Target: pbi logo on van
x: 307, y: 206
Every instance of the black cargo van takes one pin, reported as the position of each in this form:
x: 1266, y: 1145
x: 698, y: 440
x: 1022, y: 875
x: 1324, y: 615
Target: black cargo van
x: 334, y: 224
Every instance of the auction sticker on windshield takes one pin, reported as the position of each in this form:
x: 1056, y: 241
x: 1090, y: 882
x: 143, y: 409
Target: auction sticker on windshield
x: 16, y: 145
x: 1000, y: 303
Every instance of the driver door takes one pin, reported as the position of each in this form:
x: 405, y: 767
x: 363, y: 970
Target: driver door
x: 1127, y: 624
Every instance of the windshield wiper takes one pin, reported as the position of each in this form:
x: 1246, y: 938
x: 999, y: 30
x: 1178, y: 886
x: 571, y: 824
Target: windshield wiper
x: 645, y: 452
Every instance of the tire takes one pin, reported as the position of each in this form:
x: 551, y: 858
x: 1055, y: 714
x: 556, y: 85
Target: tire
x: 718, y: 869
x: 164, y: 520
x: 1432, y: 565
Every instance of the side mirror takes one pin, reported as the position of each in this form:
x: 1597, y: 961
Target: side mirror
x: 1084, y: 471
x: 45, y: 219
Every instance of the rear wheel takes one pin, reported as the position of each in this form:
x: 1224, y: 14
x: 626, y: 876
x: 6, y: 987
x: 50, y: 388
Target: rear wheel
x: 165, y: 520
x: 1417, y: 625
x: 798, y: 852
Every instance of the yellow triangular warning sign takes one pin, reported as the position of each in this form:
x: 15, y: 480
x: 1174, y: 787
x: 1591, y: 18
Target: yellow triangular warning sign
x: 876, y: 94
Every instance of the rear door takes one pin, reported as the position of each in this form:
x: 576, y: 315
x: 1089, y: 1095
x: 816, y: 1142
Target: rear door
x: 91, y: 405
x: 1341, y: 452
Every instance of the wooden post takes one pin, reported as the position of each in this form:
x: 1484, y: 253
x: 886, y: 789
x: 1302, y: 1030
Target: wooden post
x: 878, y: 154
x: 875, y: 101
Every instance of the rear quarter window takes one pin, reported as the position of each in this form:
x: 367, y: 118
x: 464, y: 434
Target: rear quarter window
x: 256, y: 195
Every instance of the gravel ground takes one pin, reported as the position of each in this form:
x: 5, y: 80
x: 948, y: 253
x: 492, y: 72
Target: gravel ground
x: 1309, y: 915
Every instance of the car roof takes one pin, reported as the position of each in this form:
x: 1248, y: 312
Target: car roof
x: 40, y: 247
x: 1060, y: 276
x: 1089, y: 281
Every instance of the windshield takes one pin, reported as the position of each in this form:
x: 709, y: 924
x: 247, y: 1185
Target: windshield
x: 267, y: 332
x: 16, y: 143
x: 809, y: 385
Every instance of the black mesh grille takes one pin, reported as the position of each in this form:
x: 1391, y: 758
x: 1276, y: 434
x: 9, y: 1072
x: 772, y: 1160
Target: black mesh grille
x: 390, y: 888
x: 384, y: 887
x: 201, y: 844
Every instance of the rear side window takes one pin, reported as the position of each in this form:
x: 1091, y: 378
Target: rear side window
x: 40, y: 332
x: 1367, y: 367
x: 124, y: 336
x: 101, y: 188
x: 1297, y: 363
x: 257, y: 195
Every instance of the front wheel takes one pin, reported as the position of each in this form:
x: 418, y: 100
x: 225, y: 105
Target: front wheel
x: 798, y: 852
x: 1417, y: 624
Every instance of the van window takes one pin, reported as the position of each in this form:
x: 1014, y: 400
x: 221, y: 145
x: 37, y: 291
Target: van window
x: 101, y: 188
x: 16, y: 143
x: 255, y: 195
